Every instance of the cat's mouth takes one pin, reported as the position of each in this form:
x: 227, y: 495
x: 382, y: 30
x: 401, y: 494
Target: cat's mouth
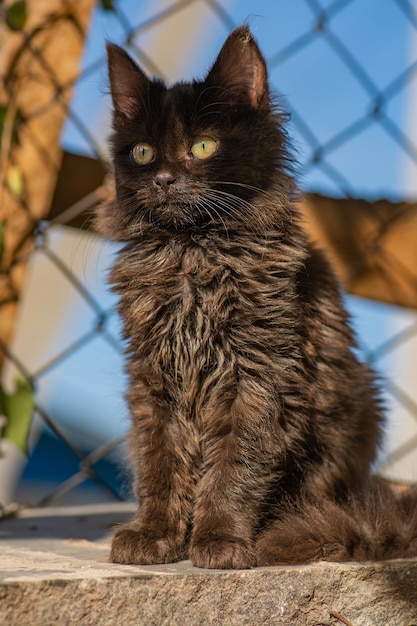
x: 177, y: 211
x: 175, y: 214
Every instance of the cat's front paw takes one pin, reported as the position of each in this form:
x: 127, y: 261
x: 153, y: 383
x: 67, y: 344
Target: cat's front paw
x: 222, y: 553
x: 133, y: 547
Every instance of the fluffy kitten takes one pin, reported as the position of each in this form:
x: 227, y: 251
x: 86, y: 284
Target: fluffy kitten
x: 253, y: 422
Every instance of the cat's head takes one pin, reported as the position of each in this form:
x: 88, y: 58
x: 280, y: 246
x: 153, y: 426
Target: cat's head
x: 195, y: 155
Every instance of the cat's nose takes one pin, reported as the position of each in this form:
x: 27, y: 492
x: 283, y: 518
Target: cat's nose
x: 164, y: 179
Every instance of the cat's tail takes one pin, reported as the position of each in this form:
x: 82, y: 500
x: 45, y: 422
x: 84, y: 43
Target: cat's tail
x: 377, y: 525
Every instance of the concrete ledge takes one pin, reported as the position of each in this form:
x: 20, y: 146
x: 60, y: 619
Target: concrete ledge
x: 54, y: 570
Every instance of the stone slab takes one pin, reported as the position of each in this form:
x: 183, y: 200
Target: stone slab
x: 54, y: 569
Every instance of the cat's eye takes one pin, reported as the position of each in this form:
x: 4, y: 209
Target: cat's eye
x: 203, y: 147
x: 142, y: 153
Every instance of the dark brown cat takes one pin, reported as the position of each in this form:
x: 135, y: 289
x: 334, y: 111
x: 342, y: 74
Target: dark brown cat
x: 253, y: 423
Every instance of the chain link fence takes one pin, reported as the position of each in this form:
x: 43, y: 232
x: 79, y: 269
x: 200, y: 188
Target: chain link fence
x: 59, y: 327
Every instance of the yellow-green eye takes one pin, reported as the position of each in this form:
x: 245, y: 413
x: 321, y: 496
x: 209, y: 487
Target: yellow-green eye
x: 203, y: 147
x: 142, y: 153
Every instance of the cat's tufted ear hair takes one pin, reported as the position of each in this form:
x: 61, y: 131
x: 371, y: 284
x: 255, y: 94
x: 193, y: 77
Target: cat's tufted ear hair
x: 241, y: 70
x: 127, y: 82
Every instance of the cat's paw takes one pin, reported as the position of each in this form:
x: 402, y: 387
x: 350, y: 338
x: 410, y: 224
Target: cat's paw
x: 133, y: 547
x: 222, y: 554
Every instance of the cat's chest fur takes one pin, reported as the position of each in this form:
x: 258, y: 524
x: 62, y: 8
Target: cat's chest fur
x: 190, y: 307
x: 177, y: 297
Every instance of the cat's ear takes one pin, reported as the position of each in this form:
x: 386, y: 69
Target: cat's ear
x: 127, y: 82
x: 241, y: 70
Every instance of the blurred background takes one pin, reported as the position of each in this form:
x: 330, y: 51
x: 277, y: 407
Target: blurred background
x: 346, y: 70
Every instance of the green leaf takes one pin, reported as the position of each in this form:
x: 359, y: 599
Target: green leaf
x: 15, y: 181
x: 16, y: 121
x: 17, y: 408
x: 16, y: 15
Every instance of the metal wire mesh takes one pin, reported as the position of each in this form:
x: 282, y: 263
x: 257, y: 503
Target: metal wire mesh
x: 33, y: 230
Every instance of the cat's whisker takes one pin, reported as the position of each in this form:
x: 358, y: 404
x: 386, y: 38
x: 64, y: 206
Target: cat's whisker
x: 278, y: 195
x: 263, y: 192
x: 234, y: 205
x: 207, y: 90
x: 205, y: 203
x: 198, y: 207
x: 218, y: 203
x: 210, y: 109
